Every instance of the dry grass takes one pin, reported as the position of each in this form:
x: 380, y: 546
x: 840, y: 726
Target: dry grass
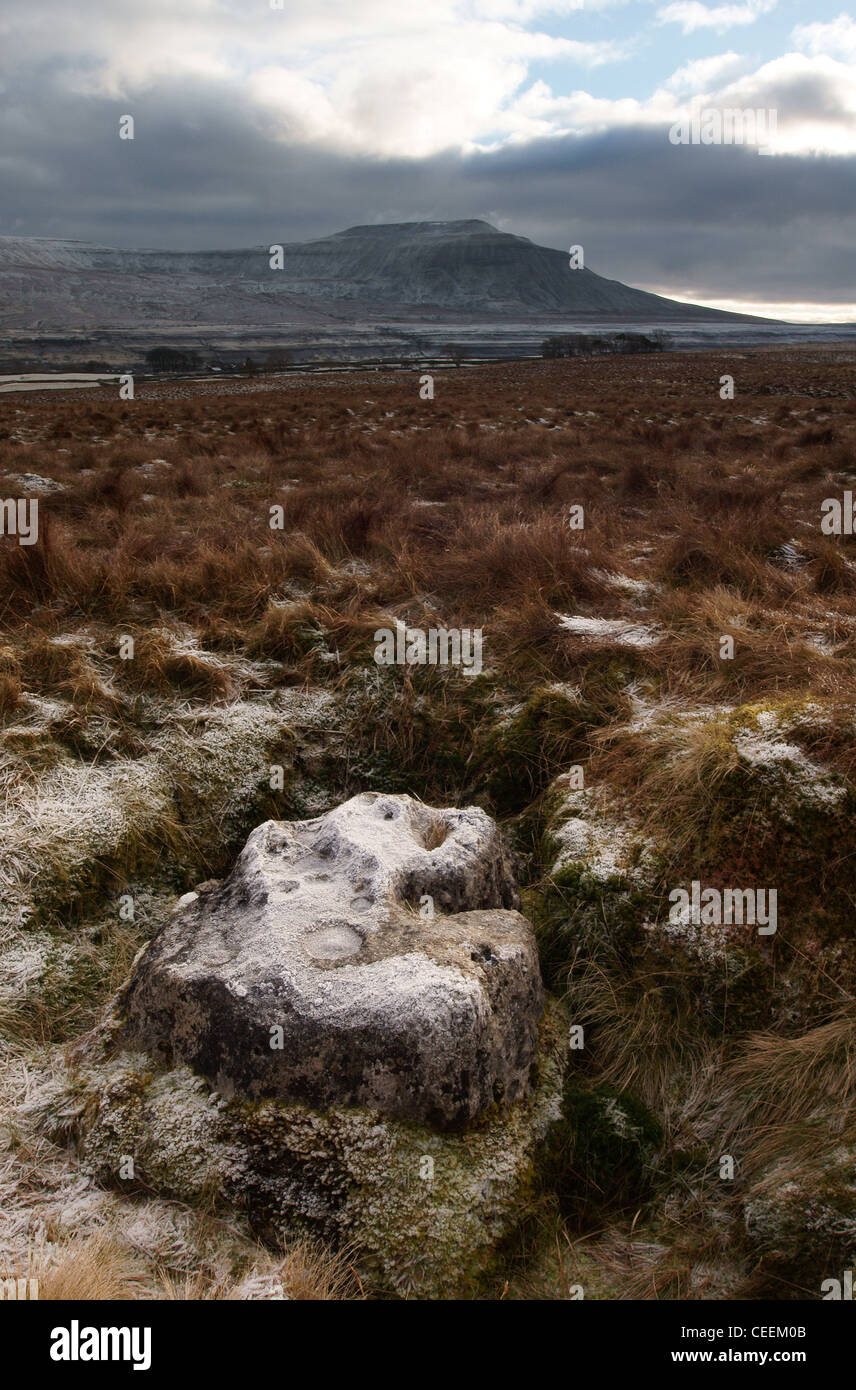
x: 702, y: 519
x: 158, y: 666
x: 177, y: 528
x: 95, y: 1268
x: 779, y: 1090
x: 103, y: 1266
x: 306, y: 1272
x: 643, y: 1038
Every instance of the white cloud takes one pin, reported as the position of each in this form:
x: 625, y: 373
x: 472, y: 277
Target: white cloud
x: 706, y: 73
x: 451, y: 89
x: 814, y: 98
x: 692, y: 15
x: 836, y: 39
x: 378, y: 77
x: 386, y: 79
x: 523, y: 11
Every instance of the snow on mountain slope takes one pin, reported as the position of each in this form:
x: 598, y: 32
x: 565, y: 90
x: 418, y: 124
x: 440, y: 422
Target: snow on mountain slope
x: 404, y: 268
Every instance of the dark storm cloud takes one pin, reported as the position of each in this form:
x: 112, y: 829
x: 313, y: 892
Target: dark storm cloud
x: 204, y: 173
x: 725, y: 221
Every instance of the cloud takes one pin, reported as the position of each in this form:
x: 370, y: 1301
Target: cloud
x: 387, y: 80
x: 256, y: 126
x: 524, y: 10
x: 706, y: 73
x: 836, y: 39
x: 378, y: 77
x: 814, y: 99
x: 699, y: 223
x: 692, y: 15
x: 454, y: 92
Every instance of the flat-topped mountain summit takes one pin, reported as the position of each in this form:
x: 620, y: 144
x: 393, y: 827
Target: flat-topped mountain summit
x: 363, y: 275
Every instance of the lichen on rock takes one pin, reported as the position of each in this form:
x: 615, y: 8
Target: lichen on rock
x: 427, y: 1211
x: 418, y: 1072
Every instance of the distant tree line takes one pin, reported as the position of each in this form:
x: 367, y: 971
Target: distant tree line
x: 592, y: 344
x: 167, y: 359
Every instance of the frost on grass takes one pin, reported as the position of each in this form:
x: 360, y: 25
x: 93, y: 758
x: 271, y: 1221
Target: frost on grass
x: 616, y: 630
x: 33, y: 482
x: 762, y: 743
x: 75, y: 835
x: 643, y: 590
x: 86, y: 1240
x: 708, y: 783
x: 587, y: 832
x: 53, y: 831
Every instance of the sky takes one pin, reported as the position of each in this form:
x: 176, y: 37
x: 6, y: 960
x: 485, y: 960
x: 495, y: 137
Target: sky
x: 265, y: 121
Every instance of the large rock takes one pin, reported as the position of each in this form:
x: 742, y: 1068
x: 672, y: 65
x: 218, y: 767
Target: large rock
x: 398, y: 1117
x: 426, y: 1212
x: 368, y: 957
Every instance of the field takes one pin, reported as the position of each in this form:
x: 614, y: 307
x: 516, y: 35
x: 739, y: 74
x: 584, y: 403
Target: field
x: 626, y: 747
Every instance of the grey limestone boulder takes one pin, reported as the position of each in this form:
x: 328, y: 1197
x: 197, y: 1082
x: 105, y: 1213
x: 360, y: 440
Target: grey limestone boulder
x: 370, y: 957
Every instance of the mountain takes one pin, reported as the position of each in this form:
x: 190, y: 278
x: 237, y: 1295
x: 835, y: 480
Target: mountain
x: 405, y: 272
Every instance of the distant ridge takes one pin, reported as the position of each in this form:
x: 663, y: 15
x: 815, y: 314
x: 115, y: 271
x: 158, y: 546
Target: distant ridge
x: 360, y: 276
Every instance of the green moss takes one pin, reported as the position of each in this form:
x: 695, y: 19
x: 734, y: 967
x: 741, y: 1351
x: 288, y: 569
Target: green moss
x: 603, y: 1152
x: 600, y: 919
x: 521, y: 754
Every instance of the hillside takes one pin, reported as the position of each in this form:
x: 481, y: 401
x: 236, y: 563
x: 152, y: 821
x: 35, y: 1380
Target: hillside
x: 411, y: 271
